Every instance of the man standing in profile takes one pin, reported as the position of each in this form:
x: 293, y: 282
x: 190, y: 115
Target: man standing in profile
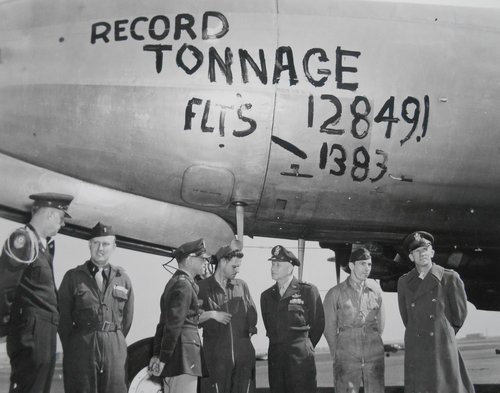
x: 229, y: 320
x: 29, y: 302
x: 355, y: 317
x: 294, y: 319
x: 433, y: 306
x: 177, y: 353
x: 97, y: 307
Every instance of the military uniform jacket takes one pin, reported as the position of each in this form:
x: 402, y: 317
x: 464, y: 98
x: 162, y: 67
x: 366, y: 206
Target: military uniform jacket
x: 93, y: 327
x: 298, y: 313
x: 177, y: 342
x: 433, y: 310
x: 84, y: 308
x: 30, y: 279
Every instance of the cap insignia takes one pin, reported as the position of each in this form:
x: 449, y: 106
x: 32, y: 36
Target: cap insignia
x: 277, y: 251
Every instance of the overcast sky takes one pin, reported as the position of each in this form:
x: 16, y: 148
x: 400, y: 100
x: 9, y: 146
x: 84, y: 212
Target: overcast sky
x: 149, y: 278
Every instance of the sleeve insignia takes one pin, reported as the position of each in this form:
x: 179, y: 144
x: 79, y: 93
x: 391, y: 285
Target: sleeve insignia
x: 19, y: 241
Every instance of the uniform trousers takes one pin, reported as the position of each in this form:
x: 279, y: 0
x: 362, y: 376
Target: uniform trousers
x: 31, y: 346
x: 359, y: 356
x: 291, y: 366
x: 184, y: 383
x: 229, y: 372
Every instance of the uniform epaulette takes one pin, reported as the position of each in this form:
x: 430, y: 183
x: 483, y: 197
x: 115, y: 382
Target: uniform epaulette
x: 305, y: 283
x: 119, y: 270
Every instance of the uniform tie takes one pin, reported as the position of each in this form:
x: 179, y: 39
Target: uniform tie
x: 282, y: 289
x: 99, y: 278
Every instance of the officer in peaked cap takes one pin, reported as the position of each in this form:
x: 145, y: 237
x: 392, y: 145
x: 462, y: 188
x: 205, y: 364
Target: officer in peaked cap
x: 294, y: 320
x: 355, y: 319
x: 175, y: 358
x: 53, y: 200
x: 433, y: 307
x: 229, y: 319
x: 281, y: 254
x: 28, y: 305
x: 417, y: 239
x: 107, y: 290
x: 195, y: 248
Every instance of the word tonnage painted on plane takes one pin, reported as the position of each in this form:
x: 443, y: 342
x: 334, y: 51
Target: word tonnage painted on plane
x: 157, y: 28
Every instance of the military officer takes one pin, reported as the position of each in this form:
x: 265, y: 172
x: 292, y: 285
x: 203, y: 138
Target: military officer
x: 177, y: 352
x: 97, y: 307
x: 355, y: 318
x: 433, y: 307
x: 294, y: 320
x: 30, y: 312
x: 229, y: 320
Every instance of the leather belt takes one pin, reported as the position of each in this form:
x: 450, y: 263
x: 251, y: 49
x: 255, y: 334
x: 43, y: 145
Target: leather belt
x: 358, y: 328
x: 107, y: 326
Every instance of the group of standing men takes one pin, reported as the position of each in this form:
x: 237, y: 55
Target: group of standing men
x: 92, y: 310
x: 432, y: 304
x: 93, y: 313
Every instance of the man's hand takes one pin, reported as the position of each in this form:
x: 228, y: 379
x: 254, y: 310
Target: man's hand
x: 155, y: 366
x: 222, y: 317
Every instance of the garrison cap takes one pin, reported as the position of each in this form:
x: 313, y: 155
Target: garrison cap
x: 417, y: 239
x: 194, y: 248
x: 235, y: 245
x: 359, y: 254
x: 102, y: 230
x: 281, y: 254
x: 52, y: 199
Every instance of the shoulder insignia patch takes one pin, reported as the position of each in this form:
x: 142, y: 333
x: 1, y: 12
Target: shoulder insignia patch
x: 19, y: 241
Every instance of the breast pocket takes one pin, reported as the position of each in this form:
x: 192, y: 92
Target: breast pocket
x: 84, y: 299
x: 120, y: 294
x: 296, y: 315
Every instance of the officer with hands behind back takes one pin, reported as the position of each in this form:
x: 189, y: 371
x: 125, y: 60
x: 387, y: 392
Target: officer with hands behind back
x: 433, y: 307
x: 294, y: 320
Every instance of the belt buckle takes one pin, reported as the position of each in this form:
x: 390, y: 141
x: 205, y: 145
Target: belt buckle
x: 106, y: 326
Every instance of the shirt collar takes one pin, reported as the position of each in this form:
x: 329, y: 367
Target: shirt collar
x: 93, y: 268
x: 367, y: 284
x: 286, y: 284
